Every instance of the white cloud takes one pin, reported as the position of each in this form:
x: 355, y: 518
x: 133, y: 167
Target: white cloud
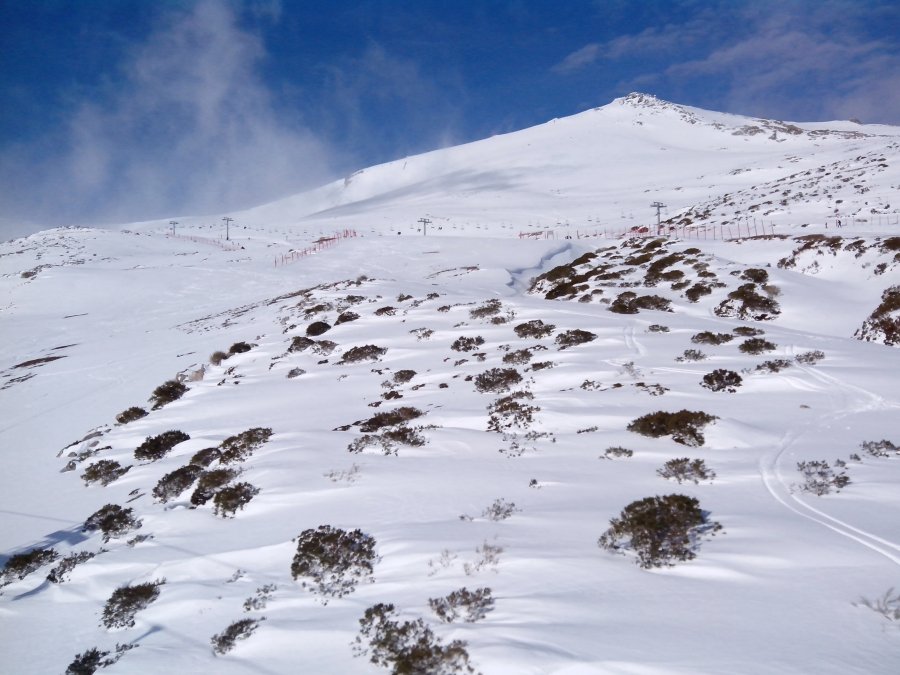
x: 578, y: 59
x: 191, y: 129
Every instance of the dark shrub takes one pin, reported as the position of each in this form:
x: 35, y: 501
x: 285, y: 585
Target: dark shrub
x: 403, y: 435
x: 126, y: 601
x: 500, y: 510
x: 386, y: 311
x: 810, y: 358
x: 748, y: 331
x: 657, y: 328
x: 517, y: 357
x: 497, y: 380
x: 335, y: 560
x: 617, y: 452
x: 747, y: 303
x: 882, y: 448
x: 156, y: 447
x: 223, y: 642
x: 390, y: 418
x: 684, y: 426
x: 60, y: 573
x: 755, y: 275
x: 489, y: 308
x: 363, y: 353
x: 467, y: 344
x: 660, y: 530
x: 404, y: 376
x: 130, y: 415
x: 210, y: 482
x: 21, y: 565
x: 471, y: 605
x: 239, y: 348
x: 722, y: 380
x: 710, y: 338
x: 511, y: 411
x: 756, y: 346
x: 774, y: 366
x: 89, y: 662
x: 691, y: 355
x: 104, y: 472
x: 631, y: 303
x: 113, y: 521
x: 206, y: 456
x: 684, y: 468
x: 317, y: 328
x: 217, y: 357
x: 346, y: 317
x: 300, y: 343
x: 241, y: 446
x: 570, y: 338
x: 820, y: 479
x: 408, y: 647
x: 167, y: 392
x: 697, y: 291
x: 535, y: 328
x: 175, y: 482
x: 232, y: 498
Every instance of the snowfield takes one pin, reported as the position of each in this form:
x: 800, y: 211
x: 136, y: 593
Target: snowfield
x: 503, y: 483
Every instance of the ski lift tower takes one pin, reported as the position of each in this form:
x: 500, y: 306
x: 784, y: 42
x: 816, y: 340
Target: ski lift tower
x: 658, y: 206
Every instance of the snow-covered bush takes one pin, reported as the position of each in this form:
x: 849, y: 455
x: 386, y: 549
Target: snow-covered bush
x: 684, y: 468
x: 470, y: 605
x: 206, y: 456
x: 64, y: 567
x: 511, y: 411
x: 630, y: 302
x: 156, y: 447
x: 810, y: 358
x: 722, y: 380
x: 756, y: 345
x: 231, y: 498
x: 333, y: 560
x: 747, y: 303
x: 218, y: 356
x: 748, y: 331
x: 409, y: 646
x: 497, y: 380
x: 691, y: 355
x: 210, y: 482
x: 488, y: 308
x: 709, y: 338
x: 363, y: 353
x: 535, y: 328
x: 500, y: 510
x: 89, y: 661
x: 467, y: 344
x: 175, y: 482
x: 518, y: 357
x: 570, y: 338
x: 616, y: 452
x: 104, y: 472
x: 390, y: 418
x: 659, y: 530
x: 882, y: 448
x: 346, y: 317
x: 21, y: 565
x: 126, y: 601
x: 223, y: 642
x: 239, y: 447
x: 168, y: 391
x: 113, y: 521
x: 130, y: 415
x: 684, y: 427
x: 819, y: 478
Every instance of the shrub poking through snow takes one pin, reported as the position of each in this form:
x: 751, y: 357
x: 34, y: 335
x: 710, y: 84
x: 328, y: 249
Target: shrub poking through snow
x: 126, y: 601
x: 113, y: 521
x: 684, y: 427
x: 346, y: 317
x: 175, y: 482
x: 217, y: 357
x: 810, y: 358
x: 882, y: 448
x: 657, y: 328
x: 224, y: 642
x: 130, y: 415
x: 168, y: 391
x: 511, y: 411
x: 497, y: 380
x: 660, y: 531
x: 684, y: 468
x: 697, y: 291
x: 820, y: 479
x: 239, y: 447
x: 535, y: 328
x: 206, y: 456
x: 722, y: 380
x: 630, y: 302
x: 888, y: 605
x: 408, y: 646
x: 89, y: 661
x: 239, y: 348
x: 156, y: 447
x: 471, y: 606
x: 756, y: 345
x: 748, y: 331
x: 746, y: 303
x: 774, y: 365
x: 570, y: 338
x: 363, y: 353
x: 390, y: 418
x: 691, y: 355
x: 883, y: 324
x: 487, y: 309
x: 60, y: 573
x: 616, y: 453
x: 500, y: 510
x: 233, y: 498
x: 709, y: 338
x: 104, y: 472
x: 333, y: 561
x: 21, y: 565
x: 467, y: 344
x: 518, y: 357
x: 210, y: 482
x: 317, y: 328
x: 403, y: 376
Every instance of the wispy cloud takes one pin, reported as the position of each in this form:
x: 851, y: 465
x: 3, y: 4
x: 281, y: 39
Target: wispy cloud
x: 189, y: 128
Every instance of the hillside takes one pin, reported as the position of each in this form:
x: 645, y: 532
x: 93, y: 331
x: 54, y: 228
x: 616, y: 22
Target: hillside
x: 479, y: 405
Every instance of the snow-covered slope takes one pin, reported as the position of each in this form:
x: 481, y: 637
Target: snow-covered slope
x: 481, y: 488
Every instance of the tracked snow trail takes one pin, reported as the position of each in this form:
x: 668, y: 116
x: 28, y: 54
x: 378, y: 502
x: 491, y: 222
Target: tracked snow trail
x: 862, y: 400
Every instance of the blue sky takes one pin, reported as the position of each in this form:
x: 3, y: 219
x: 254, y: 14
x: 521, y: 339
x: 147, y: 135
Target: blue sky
x: 118, y: 110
